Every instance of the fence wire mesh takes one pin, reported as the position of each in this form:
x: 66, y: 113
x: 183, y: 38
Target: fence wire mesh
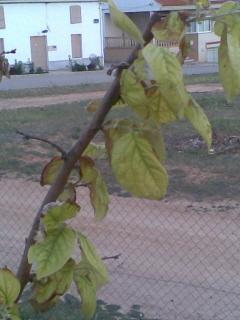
x: 179, y: 257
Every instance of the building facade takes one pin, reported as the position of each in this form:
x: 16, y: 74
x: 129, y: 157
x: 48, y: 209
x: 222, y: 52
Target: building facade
x: 117, y: 45
x: 49, y: 32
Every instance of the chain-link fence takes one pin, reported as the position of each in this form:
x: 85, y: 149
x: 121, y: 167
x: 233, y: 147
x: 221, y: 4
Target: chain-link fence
x: 179, y: 257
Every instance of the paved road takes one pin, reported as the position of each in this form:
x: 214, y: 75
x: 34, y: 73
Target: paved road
x: 61, y: 78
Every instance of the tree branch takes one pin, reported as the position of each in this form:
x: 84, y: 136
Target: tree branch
x: 28, y: 137
x: 113, y: 257
x: 110, y: 98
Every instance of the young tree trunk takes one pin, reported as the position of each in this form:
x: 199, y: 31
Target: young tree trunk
x: 74, y: 154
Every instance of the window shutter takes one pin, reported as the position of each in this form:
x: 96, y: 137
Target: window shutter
x: 75, y: 14
x: 2, y: 19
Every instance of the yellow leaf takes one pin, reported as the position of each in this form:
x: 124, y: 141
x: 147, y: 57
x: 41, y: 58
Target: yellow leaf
x: 90, y: 256
x: 195, y: 114
x: 125, y: 24
x: 203, y: 3
x: 98, y: 191
x: 51, y: 171
x: 225, y: 7
x: 53, y: 252
x: 87, y: 293
x: 229, y: 65
x: 55, y: 213
x: 184, y: 46
x: 159, y: 110
x: 9, y: 286
x: 92, y: 107
x: 133, y: 93
x: 54, y: 285
x: 137, y: 168
x: 170, y: 29
x: 168, y: 74
x: 156, y: 140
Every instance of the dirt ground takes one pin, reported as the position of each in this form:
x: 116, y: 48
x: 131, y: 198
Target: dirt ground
x: 68, y: 98
x: 179, y: 258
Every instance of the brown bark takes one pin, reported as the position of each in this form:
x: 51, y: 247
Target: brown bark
x: 73, y: 155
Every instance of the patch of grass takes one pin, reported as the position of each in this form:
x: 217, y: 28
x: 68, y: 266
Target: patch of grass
x: 63, y: 124
x: 69, y: 308
x: 54, y: 90
x: 201, y: 78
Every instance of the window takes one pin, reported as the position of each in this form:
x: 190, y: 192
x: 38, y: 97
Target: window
x: 204, y: 26
x: 75, y: 14
x: 76, y: 40
x: 192, y: 28
x: 2, y: 19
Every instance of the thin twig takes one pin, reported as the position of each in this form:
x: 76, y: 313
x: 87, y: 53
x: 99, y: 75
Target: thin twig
x: 30, y: 137
x: 113, y: 257
x: 8, y: 52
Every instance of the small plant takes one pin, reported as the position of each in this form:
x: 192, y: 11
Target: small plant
x: 18, y: 68
x: 95, y: 63
x: 30, y: 66
x: 74, y: 66
x: 39, y: 70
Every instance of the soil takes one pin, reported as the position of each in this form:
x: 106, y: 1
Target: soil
x: 68, y: 98
x: 179, y: 258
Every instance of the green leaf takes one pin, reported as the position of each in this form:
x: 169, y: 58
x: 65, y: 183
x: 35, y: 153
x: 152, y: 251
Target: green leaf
x: 90, y: 256
x: 9, y: 286
x: 168, y: 74
x: 195, y: 114
x: 122, y: 22
x: 137, y: 168
x: 229, y: 66
x: 170, y: 29
x: 53, y: 252
x: 55, y: 213
x: 133, y: 93
x: 87, y: 293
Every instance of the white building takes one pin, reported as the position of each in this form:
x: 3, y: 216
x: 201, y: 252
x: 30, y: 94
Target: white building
x: 48, y: 32
x: 117, y: 44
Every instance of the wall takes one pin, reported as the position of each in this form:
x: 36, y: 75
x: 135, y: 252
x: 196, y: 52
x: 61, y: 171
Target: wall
x: 203, y: 38
x: 25, y: 20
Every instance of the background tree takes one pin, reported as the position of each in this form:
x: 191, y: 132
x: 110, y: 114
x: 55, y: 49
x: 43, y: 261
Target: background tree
x: 135, y: 150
